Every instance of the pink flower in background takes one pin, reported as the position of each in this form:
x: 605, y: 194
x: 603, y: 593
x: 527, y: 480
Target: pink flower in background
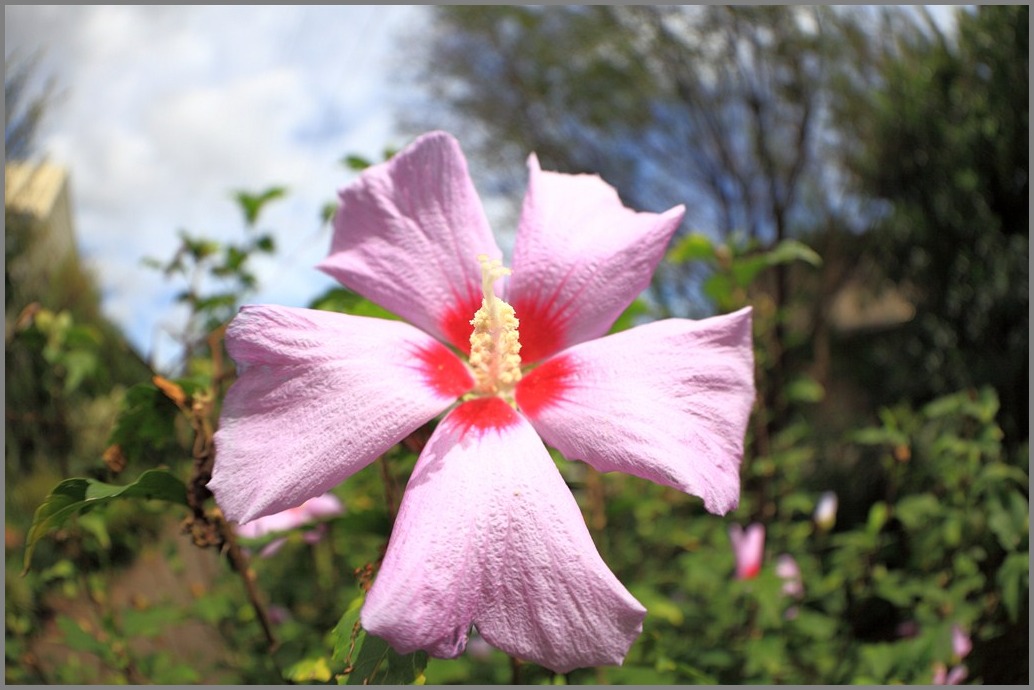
x: 943, y: 676
x: 749, y: 549
x: 487, y: 533
x: 790, y: 573
x: 961, y: 646
x: 312, y: 510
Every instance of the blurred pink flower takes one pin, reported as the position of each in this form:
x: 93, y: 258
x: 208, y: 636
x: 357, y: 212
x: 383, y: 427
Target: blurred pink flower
x: 487, y: 532
x: 312, y: 510
x: 788, y: 570
x: 942, y: 676
x: 749, y: 549
x: 961, y: 645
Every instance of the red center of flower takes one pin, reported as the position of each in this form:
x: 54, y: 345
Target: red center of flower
x: 541, y: 329
x: 481, y: 414
x: 443, y: 370
x: 545, y: 385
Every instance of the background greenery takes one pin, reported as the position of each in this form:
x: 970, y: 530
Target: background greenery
x: 823, y: 154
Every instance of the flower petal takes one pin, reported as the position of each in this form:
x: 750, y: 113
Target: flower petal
x: 311, y: 510
x: 668, y: 401
x: 489, y: 534
x: 580, y: 258
x: 748, y: 546
x: 319, y: 396
x: 407, y: 236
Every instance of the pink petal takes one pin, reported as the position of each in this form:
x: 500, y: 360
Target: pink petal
x: 407, y: 236
x: 961, y: 645
x: 749, y: 548
x: 788, y: 570
x: 956, y: 675
x: 581, y: 257
x: 311, y: 510
x: 489, y: 534
x: 319, y: 396
x: 668, y: 401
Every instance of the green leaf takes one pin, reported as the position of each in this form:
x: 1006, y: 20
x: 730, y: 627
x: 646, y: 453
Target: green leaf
x: 1014, y: 579
x: 346, y: 635
x: 1009, y: 520
x: 145, y: 422
x: 347, y: 302
x: 73, y: 495
x: 308, y: 670
x: 378, y: 663
x: 80, y: 640
x: 328, y: 211
x: 266, y: 244
x: 745, y: 269
x: 805, y: 389
x: 692, y: 247
x: 149, y: 622
x: 357, y: 163
x: 792, y: 250
x: 629, y: 316
x: 252, y: 204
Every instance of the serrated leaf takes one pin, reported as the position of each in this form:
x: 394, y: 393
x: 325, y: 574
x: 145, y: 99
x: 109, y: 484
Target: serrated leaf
x: 76, y: 494
x: 379, y: 664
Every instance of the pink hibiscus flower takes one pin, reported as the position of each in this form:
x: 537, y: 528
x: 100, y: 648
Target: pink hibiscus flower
x: 312, y: 510
x: 748, y: 546
x: 488, y: 533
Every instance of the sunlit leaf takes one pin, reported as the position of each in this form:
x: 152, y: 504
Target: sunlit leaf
x: 348, y: 302
x: 308, y: 670
x: 356, y: 163
x: 252, y: 204
x: 692, y: 247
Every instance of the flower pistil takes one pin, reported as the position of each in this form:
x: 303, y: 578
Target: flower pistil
x: 494, y: 344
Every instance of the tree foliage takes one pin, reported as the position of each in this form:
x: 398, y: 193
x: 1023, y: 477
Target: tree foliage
x: 941, y: 148
x: 26, y: 101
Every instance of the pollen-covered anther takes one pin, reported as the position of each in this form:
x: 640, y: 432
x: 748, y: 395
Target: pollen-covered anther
x: 494, y: 344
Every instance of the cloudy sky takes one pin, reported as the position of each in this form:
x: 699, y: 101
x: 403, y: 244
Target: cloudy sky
x: 167, y: 110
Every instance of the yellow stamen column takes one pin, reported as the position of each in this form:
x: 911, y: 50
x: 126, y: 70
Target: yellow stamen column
x: 494, y: 344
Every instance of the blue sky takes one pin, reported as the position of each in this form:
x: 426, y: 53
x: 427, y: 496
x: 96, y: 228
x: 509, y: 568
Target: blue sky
x: 166, y: 110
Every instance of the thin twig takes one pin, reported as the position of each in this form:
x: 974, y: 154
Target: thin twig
x: 240, y: 563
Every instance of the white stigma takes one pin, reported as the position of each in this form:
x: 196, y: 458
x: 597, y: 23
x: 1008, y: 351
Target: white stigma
x: 494, y: 345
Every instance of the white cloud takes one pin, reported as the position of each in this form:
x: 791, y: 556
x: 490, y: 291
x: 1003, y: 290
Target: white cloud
x: 170, y: 109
